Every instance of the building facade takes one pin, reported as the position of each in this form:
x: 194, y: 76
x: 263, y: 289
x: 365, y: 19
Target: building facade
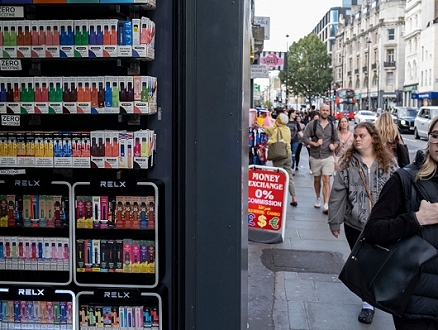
x: 369, y: 53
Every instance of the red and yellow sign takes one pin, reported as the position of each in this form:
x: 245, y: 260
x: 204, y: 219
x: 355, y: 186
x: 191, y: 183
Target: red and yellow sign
x: 267, y: 198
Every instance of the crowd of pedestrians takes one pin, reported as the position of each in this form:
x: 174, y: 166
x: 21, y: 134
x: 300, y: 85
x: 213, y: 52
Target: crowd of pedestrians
x: 361, y: 164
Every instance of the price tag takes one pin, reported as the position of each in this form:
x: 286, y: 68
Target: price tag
x: 10, y: 65
x: 10, y: 120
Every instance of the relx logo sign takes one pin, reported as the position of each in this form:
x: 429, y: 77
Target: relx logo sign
x: 116, y: 294
x: 31, y: 292
x: 113, y: 184
x: 27, y: 183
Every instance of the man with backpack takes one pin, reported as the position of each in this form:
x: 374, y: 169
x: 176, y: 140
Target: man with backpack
x: 323, y: 139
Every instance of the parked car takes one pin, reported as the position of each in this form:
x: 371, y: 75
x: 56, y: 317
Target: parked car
x: 423, y: 119
x: 404, y: 118
x: 365, y: 116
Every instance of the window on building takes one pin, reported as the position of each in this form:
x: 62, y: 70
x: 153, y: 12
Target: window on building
x: 410, y: 71
x: 390, y: 78
x: 430, y: 76
x: 339, y: 73
x: 390, y: 55
x: 414, y: 68
x: 391, y: 34
x: 357, y: 84
x: 421, y: 81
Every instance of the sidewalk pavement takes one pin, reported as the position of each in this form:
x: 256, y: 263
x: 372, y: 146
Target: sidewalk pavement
x: 283, y: 299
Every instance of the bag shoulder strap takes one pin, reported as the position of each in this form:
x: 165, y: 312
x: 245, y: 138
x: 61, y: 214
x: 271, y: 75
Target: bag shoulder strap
x: 406, y: 175
x: 279, y: 133
x: 315, y: 125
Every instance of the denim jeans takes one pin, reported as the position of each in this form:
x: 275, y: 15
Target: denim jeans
x: 294, y: 147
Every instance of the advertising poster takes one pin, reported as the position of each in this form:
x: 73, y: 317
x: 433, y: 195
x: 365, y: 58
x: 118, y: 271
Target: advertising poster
x: 267, y: 202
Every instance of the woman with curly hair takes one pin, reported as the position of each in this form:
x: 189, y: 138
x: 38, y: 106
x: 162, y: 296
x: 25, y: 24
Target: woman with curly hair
x: 363, y: 171
x: 392, y: 219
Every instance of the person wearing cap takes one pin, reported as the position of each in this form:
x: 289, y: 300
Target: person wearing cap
x: 286, y: 164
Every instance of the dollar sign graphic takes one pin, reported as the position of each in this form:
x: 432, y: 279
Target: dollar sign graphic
x: 262, y: 221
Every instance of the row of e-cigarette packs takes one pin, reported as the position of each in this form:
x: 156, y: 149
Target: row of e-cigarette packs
x: 38, y: 315
x: 36, y: 211
x: 115, y: 212
x: 78, y: 95
x: 78, y: 38
x: 118, y: 317
x: 34, y: 253
x: 95, y: 149
x: 119, y: 256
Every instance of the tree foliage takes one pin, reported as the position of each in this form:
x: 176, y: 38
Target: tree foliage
x: 308, y: 68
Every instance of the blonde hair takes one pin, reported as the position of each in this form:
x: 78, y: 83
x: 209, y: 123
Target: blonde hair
x: 429, y: 167
x: 387, y: 129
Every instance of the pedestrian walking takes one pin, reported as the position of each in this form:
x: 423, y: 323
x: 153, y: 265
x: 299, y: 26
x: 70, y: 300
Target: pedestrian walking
x: 286, y: 164
x: 296, y: 131
x: 393, y: 218
x: 323, y: 140
x: 345, y: 139
x: 363, y: 170
x: 298, y: 119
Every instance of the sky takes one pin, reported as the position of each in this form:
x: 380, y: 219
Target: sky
x: 297, y: 18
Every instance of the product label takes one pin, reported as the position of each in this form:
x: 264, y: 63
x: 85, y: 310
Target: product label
x: 10, y: 120
x: 10, y: 65
x: 11, y: 12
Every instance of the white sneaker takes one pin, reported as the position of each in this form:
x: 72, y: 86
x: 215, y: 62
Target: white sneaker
x: 310, y: 172
x: 317, y: 203
x: 325, y: 209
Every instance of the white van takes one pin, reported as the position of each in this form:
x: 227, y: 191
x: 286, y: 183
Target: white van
x: 423, y: 120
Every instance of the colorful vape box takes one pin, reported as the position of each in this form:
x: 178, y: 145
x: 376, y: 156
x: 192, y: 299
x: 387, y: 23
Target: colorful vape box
x: 118, y: 255
x: 38, y: 37
x: 153, y: 84
x: 83, y: 316
x: 110, y: 47
x: 97, y: 94
x: 57, y: 149
x: 11, y: 158
x: 66, y: 38
x: 52, y: 39
x: 143, y: 257
x: 80, y: 255
x: 136, y: 28
x: 96, y: 254
x: 123, y: 317
x: 43, y: 142
x: 67, y: 158
x: 85, y: 152
x: 3, y: 97
x: 141, y: 96
x: 111, y: 94
x: 69, y: 95
x: 13, y: 91
x: 96, y: 212
x: 97, y: 149
x: 111, y: 149
x: 88, y: 212
x: 141, y: 149
x: 26, y: 95
x: 30, y: 149
x: 53, y: 211
x: 23, y: 40
x: 104, y: 208
x: 81, y: 38
x: 2, y: 253
x: 135, y: 252
x: 126, y: 94
x: 95, y: 48
x: 84, y: 94
x: 55, y: 95
x: 41, y: 96
x: 127, y: 255
x: 88, y: 254
x: 9, y: 39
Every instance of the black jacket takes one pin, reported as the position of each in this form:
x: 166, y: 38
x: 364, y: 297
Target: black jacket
x: 398, y: 222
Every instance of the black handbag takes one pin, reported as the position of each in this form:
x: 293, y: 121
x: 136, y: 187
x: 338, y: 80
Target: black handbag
x: 278, y: 150
x: 385, y: 276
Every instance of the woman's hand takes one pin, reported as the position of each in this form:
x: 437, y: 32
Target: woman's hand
x: 336, y: 233
x: 428, y: 213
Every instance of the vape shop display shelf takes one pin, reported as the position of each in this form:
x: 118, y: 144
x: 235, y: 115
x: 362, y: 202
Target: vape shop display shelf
x: 116, y: 233
x: 34, y: 307
x: 115, y: 308
x: 35, y: 241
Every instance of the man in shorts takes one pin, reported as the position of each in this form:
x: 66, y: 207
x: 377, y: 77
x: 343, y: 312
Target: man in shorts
x: 323, y: 140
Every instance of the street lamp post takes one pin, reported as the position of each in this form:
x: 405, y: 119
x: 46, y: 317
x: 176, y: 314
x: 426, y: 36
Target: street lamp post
x: 285, y: 67
x: 368, y: 73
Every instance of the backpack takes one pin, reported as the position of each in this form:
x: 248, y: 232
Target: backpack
x: 315, y: 125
